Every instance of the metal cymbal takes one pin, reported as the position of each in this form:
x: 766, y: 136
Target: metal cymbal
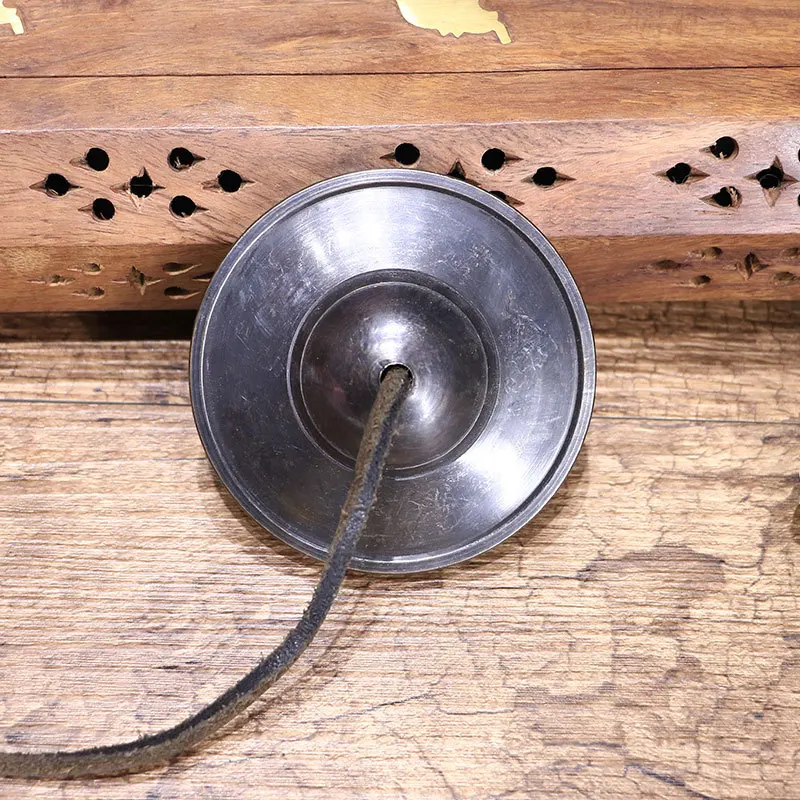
x: 394, y: 266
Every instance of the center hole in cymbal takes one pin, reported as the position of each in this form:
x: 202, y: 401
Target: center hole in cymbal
x: 395, y: 366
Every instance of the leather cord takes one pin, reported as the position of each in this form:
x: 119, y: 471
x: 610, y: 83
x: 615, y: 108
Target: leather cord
x: 154, y: 749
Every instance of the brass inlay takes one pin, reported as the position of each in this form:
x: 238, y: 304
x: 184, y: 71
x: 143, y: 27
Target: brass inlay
x: 453, y: 16
x: 9, y: 16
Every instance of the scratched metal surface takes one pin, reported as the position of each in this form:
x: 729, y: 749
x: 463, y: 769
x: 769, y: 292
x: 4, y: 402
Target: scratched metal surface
x: 465, y: 292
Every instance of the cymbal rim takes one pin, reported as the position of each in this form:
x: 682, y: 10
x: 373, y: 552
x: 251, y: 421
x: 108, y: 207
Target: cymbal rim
x: 579, y: 323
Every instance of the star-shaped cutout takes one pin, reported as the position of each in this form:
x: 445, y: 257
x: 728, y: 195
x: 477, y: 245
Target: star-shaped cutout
x: 138, y: 188
x: 773, y: 180
x: 138, y: 280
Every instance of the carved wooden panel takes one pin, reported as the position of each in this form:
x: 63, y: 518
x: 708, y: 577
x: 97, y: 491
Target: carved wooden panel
x: 101, y: 214
x: 126, y: 192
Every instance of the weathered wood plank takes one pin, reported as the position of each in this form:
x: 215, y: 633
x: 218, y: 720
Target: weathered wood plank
x: 714, y: 361
x: 314, y: 37
x: 693, y: 361
x: 639, y: 638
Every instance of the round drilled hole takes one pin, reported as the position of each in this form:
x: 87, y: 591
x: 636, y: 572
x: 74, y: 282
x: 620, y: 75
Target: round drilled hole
x: 724, y: 147
x: 141, y: 185
x: 182, y: 206
x: 97, y: 159
x: 395, y: 366
x: 680, y: 172
x: 103, y: 209
x: 182, y: 158
x: 56, y: 185
x: 406, y: 154
x: 230, y: 181
x: 701, y: 280
x: 545, y: 176
x: 493, y: 159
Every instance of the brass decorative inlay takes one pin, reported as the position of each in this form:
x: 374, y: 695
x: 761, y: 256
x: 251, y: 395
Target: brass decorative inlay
x: 453, y: 16
x: 9, y: 16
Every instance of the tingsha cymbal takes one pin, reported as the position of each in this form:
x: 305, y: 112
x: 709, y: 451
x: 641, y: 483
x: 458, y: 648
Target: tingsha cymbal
x: 375, y: 268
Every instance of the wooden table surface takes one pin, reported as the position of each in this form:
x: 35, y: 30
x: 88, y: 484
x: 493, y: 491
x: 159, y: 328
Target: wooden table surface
x: 639, y: 639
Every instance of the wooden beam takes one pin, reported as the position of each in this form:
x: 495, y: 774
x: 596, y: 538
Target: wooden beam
x: 595, y: 160
x: 146, y: 37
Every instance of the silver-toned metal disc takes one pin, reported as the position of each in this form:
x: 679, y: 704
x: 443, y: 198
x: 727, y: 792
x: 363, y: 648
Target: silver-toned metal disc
x: 394, y: 266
